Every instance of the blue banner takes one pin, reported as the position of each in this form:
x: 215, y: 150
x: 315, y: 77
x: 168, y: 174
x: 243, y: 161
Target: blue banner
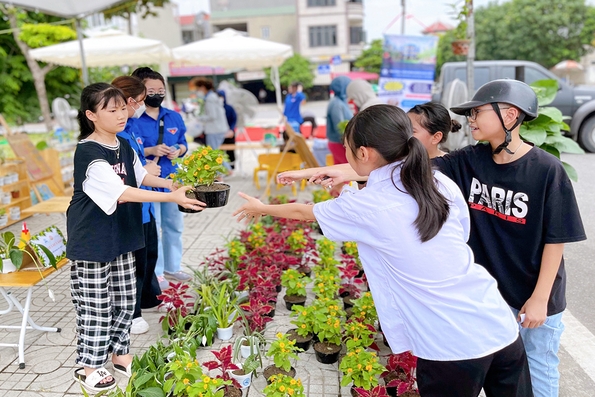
x: 407, y: 72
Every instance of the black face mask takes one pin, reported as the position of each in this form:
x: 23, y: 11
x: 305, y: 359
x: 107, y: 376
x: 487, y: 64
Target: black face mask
x: 154, y: 101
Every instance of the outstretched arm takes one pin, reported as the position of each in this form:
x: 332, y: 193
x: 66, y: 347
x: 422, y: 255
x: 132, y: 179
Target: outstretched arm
x: 336, y: 174
x: 254, y: 209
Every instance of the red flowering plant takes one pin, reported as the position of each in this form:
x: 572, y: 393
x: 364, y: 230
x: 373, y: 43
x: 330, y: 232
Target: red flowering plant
x: 178, y: 302
x: 223, y: 363
x: 378, y: 391
x: 255, y: 312
x: 400, y: 373
x: 350, y: 285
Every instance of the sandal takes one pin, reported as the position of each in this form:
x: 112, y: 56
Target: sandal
x: 126, y: 371
x: 93, y: 381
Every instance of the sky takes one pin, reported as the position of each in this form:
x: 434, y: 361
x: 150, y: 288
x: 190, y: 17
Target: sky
x: 378, y: 14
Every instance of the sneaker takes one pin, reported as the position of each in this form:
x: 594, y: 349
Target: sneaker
x: 179, y: 275
x: 163, y: 283
x: 139, y: 326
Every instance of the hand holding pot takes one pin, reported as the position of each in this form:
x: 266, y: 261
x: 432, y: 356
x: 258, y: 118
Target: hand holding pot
x: 179, y: 197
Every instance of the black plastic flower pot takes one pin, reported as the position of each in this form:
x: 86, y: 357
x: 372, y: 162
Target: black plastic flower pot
x: 327, y: 353
x: 303, y: 342
x: 216, y: 195
x: 291, y: 300
x: 190, y: 194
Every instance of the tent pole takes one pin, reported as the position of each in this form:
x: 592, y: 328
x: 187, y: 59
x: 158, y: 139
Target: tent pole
x: 79, y: 35
x: 277, y: 84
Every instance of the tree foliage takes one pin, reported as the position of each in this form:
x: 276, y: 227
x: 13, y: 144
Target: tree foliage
x: 297, y: 68
x: 545, y: 32
x: 143, y: 8
x: 19, y: 102
x: 371, y: 58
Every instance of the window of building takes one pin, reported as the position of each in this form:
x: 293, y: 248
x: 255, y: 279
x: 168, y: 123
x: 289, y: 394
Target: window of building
x: 187, y: 36
x: 321, y: 3
x: 265, y: 32
x: 323, y: 36
x: 356, y: 35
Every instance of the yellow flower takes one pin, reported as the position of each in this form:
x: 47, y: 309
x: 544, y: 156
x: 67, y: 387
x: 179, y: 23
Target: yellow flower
x: 290, y: 391
x: 292, y: 382
x: 299, y: 382
x: 199, y: 156
x: 207, y: 167
x: 359, y: 366
x: 304, y: 313
x: 219, y: 160
x: 349, y: 370
x: 279, y: 335
x: 368, y: 367
x: 206, y: 379
x: 303, y: 325
x: 282, y: 345
x: 282, y: 388
x: 172, y: 175
x: 205, y: 152
x: 186, y: 162
x: 189, y: 365
x: 186, y: 381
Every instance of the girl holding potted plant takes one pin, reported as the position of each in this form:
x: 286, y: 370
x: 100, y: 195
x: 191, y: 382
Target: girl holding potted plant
x: 104, y: 229
x: 162, y: 132
x: 411, y: 227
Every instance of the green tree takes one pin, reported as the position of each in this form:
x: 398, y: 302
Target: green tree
x: 143, y: 8
x: 23, y: 91
x: 296, y: 68
x: 371, y: 58
x: 546, y: 32
x: 444, y: 51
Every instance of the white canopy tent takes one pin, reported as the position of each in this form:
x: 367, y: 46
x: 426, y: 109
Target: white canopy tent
x: 231, y: 49
x: 106, y: 48
x: 68, y: 9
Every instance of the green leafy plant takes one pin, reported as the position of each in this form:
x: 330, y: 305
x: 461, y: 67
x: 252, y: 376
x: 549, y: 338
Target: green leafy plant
x: 362, y: 368
x: 187, y: 379
x: 358, y: 334
x: 460, y: 12
x: 10, y: 249
x: 364, y: 309
x: 545, y: 131
x: 297, y: 241
x: 283, y: 350
x: 222, y: 303
x: 284, y: 386
x: 303, y: 319
x: 294, y: 282
x: 235, y: 249
x: 325, y: 247
x: 320, y: 195
x: 327, y: 282
x: 328, y: 316
x: 201, y: 167
x: 342, y: 125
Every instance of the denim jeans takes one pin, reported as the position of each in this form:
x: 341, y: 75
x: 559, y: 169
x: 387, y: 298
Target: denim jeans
x: 542, y: 346
x: 170, y: 224
x: 215, y: 141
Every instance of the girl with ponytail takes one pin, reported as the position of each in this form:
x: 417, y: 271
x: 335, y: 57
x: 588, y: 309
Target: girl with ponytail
x: 411, y: 225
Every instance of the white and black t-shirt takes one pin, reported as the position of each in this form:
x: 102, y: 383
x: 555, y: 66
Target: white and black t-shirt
x: 516, y: 209
x: 100, y: 228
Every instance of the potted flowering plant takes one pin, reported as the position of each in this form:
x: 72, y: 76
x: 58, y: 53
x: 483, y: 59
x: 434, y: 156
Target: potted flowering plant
x: 223, y: 362
x: 282, y: 350
x: 328, y: 320
x: 325, y: 247
x: 326, y: 283
x: 357, y: 334
x: 460, y: 46
x: 303, y: 319
x: 200, y: 169
x: 362, y: 368
x: 399, y: 375
x: 295, y: 287
x: 284, y: 386
x: 364, y: 309
x: 378, y: 391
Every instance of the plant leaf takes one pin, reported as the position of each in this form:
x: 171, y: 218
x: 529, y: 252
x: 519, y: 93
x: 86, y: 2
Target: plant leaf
x: 571, y: 171
x: 546, y: 91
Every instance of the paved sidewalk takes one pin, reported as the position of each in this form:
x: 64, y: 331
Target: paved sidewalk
x: 49, y: 357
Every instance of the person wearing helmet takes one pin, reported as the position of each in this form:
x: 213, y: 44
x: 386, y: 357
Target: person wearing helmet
x: 523, y: 210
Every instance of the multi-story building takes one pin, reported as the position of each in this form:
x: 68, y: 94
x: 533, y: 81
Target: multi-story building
x: 328, y: 32
x: 195, y: 27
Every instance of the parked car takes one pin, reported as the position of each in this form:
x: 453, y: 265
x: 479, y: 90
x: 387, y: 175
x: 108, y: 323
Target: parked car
x: 575, y: 102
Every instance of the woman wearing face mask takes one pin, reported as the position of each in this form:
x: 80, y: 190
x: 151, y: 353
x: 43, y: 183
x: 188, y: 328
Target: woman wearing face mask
x: 213, y: 114
x: 162, y: 134
x: 147, y: 286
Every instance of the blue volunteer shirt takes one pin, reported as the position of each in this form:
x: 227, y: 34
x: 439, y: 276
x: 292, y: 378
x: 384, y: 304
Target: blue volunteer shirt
x: 174, y: 132
x: 292, y: 107
x: 136, y: 144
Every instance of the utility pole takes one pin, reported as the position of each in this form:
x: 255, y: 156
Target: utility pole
x: 471, y: 51
x: 403, y: 17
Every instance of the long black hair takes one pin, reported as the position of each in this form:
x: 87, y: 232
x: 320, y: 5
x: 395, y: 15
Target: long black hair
x: 94, y: 97
x: 434, y: 118
x: 387, y: 129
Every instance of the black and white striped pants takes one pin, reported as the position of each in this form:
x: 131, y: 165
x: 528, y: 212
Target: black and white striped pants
x: 104, y: 295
